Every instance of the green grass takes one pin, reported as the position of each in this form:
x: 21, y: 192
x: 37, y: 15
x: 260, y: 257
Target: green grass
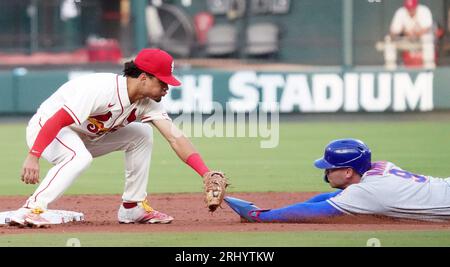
x: 416, y: 146
x: 260, y: 239
x: 421, y: 147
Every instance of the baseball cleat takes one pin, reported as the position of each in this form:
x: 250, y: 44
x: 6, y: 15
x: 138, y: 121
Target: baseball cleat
x: 25, y: 217
x: 17, y: 221
x: 18, y: 217
x: 142, y: 213
x: 157, y: 217
x: 34, y: 219
x: 247, y: 210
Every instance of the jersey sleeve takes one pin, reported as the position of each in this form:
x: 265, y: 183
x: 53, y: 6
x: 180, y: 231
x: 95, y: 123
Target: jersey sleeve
x: 397, y: 24
x: 323, y: 196
x: 427, y: 18
x: 154, y: 111
x: 49, y: 131
x: 300, y: 212
x: 82, y: 102
x: 358, y: 199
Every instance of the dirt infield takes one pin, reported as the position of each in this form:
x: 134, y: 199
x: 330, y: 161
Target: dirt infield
x: 191, y: 216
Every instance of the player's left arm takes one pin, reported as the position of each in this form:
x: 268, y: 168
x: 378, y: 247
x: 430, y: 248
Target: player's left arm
x: 182, y: 146
x: 323, y: 196
x: 214, y: 182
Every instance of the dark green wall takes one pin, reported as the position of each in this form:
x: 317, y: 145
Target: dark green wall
x: 372, y: 22
x: 6, y: 92
x: 23, y: 92
x: 310, y: 32
x: 35, y: 87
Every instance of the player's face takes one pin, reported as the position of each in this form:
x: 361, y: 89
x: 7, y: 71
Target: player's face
x: 338, y: 178
x: 155, y: 88
x: 412, y: 12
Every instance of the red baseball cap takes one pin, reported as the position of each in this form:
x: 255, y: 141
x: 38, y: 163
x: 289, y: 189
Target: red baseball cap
x: 158, y: 63
x: 410, y: 4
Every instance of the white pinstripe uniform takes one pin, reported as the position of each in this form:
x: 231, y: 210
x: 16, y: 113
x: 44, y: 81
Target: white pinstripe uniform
x: 105, y: 121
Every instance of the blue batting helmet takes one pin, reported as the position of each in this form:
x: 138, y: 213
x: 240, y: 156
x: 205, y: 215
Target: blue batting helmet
x: 345, y: 153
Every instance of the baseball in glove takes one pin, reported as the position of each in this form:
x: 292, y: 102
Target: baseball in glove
x: 215, y: 184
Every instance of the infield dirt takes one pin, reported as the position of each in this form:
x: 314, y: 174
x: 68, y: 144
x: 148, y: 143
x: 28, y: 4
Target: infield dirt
x: 192, y: 216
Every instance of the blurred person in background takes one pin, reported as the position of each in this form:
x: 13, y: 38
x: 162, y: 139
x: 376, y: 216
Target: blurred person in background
x: 412, y: 24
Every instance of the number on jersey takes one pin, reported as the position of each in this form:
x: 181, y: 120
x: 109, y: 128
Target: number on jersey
x: 408, y: 175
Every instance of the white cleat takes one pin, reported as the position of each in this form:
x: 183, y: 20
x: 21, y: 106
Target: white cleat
x: 142, y: 213
x: 28, y: 217
x: 18, y: 218
x: 36, y: 220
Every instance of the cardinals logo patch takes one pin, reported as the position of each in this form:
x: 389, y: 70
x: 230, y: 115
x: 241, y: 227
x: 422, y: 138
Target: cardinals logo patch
x: 96, y: 123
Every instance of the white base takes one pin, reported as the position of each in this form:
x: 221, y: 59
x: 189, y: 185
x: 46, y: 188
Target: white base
x: 53, y: 216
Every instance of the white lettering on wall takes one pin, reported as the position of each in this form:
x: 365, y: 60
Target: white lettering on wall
x: 245, y: 94
x: 296, y: 93
x: 352, y: 92
x: 374, y: 100
x: 328, y: 92
x: 409, y: 94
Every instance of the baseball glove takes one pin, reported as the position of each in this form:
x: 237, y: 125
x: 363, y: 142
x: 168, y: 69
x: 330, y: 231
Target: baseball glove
x: 215, y: 184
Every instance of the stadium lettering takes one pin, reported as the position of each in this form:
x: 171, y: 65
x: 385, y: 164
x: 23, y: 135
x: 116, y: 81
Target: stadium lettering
x: 196, y: 95
x: 331, y: 92
x: 319, y: 92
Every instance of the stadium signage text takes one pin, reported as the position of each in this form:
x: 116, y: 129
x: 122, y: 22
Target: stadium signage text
x: 247, y: 91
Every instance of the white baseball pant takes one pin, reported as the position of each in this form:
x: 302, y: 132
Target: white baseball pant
x: 71, y: 155
x: 390, y: 52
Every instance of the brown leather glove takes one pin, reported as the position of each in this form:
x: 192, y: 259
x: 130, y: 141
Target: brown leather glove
x: 215, y: 184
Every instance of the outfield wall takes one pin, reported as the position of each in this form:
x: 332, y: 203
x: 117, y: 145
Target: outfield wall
x: 324, y: 90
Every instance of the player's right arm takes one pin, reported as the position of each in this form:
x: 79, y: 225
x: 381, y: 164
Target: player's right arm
x: 182, y: 146
x: 48, y: 132
x: 396, y: 27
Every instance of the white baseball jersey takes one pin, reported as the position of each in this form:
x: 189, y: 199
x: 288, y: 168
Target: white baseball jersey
x: 390, y: 191
x: 99, y: 103
x: 402, y: 21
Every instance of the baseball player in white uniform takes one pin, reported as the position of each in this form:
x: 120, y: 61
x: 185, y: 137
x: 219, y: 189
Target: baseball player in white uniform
x: 415, y: 23
x: 369, y: 188
x: 96, y: 114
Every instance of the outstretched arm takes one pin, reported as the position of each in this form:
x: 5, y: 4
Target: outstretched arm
x: 214, y: 182
x: 299, y: 212
x: 323, y: 197
x: 181, y: 145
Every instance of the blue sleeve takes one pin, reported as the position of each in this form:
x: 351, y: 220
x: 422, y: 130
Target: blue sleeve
x: 300, y: 212
x: 323, y: 197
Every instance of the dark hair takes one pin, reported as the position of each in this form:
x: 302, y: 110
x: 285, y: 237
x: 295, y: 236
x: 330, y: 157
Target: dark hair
x: 131, y: 70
